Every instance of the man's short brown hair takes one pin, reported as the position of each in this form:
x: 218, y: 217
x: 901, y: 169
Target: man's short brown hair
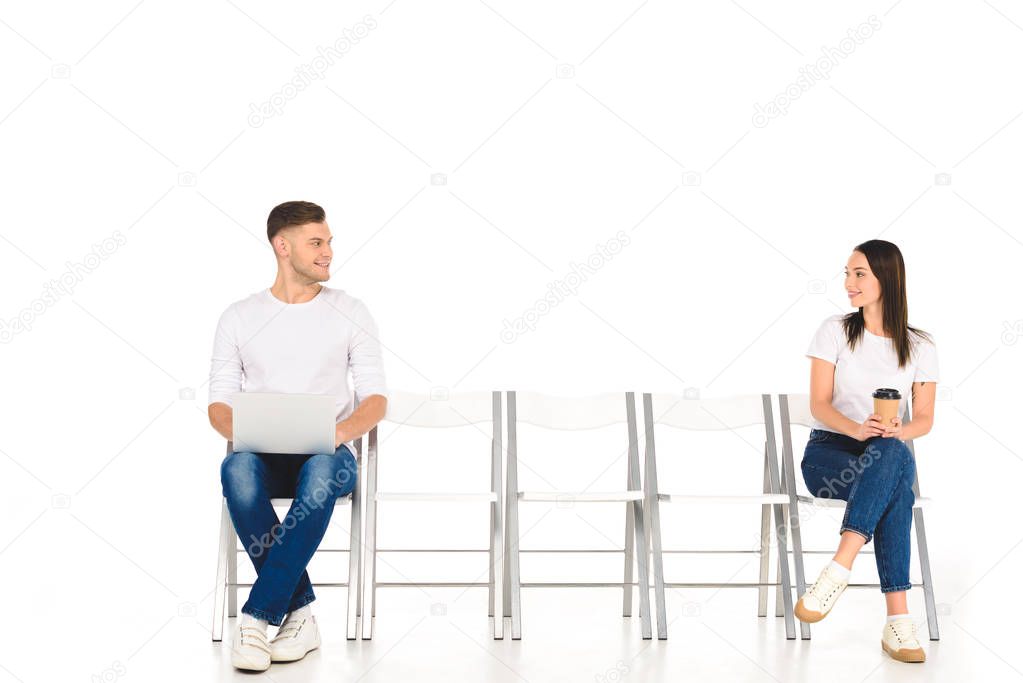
x: 290, y: 214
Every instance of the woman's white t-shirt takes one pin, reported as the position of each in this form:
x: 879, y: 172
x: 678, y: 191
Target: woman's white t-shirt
x: 872, y: 365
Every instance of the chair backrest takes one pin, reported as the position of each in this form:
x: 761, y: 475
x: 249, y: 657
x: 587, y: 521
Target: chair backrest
x: 569, y: 413
x: 799, y: 409
x: 441, y: 409
x: 708, y: 413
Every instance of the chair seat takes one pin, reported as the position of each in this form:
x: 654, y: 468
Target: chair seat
x: 583, y: 497
x: 482, y: 497
x: 287, y: 501
x: 761, y: 499
x: 920, y: 502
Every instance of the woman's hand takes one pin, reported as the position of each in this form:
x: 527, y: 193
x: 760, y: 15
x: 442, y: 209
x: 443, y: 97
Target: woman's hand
x: 871, y: 427
x: 894, y: 430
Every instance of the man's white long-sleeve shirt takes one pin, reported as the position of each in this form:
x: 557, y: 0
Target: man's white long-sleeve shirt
x: 263, y: 344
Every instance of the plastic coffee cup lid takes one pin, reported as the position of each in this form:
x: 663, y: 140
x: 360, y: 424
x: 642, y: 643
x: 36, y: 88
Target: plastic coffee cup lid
x: 887, y: 394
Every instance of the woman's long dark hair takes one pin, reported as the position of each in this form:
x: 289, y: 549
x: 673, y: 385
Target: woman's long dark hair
x: 886, y: 262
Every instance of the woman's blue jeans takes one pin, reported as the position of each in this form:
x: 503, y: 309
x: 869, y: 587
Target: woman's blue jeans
x: 280, y: 550
x: 876, y: 478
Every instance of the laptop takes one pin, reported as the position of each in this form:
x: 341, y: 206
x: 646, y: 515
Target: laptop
x: 299, y: 424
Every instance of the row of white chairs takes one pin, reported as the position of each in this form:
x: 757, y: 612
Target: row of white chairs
x: 641, y: 494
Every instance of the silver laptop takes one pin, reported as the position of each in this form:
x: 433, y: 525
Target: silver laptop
x: 300, y: 424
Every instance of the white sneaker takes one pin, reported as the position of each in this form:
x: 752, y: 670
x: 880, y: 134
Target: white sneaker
x: 899, y: 640
x: 297, y: 637
x: 821, y: 597
x: 250, y: 651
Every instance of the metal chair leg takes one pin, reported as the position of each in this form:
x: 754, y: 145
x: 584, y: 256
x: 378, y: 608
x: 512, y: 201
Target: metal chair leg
x: 630, y: 559
x: 780, y: 525
x: 226, y: 544
x: 765, y: 549
x: 651, y: 498
x: 512, y: 522
x: 490, y: 574
x: 355, y: 552
x: 779, y: 599
x: 925, y: 571
x: 788, y: 487
x: 369, y: 572
x: 641, y: 531
x: 496, y: 522
x: 232, y: 575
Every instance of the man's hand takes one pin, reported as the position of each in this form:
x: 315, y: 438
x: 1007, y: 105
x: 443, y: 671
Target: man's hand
x: 222, y: 419
x: 339, y: 436
x: 366, y: 416
x: 870, y: 428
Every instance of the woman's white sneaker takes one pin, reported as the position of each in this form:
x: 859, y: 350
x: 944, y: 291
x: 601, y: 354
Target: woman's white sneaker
x: 250, y: 650
x: 821, y: 597
x: 899, y: 640
x: 297, y: 637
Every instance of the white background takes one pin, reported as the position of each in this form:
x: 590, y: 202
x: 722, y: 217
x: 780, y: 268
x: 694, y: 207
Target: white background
x: 552, y: 127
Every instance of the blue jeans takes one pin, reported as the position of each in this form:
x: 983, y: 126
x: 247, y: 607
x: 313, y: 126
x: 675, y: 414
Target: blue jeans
x: 876, y: 478
x: 280, y: 550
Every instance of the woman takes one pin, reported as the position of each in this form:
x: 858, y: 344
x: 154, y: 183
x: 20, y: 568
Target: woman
x: 854, y: 456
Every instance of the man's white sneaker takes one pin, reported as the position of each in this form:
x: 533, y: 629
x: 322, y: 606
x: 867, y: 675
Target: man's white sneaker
x: 899, y: 640
x: 297, y: 637
x: 250, y: 651
x: 821, y: 597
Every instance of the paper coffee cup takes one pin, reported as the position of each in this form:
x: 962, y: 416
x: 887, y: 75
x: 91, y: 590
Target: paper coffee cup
x: 886, y: 404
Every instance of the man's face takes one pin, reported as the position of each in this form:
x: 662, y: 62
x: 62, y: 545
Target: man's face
x: 309, y: 250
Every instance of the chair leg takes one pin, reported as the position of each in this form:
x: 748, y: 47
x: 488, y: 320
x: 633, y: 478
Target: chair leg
x: 370, y: 573
x: 660, y: 601
x: 490, y: 573
x: 642, y: 543
x: 369, y: 576
x: 226, y: 541
x: 630, y: 559
x: 788, y: 487
x: 797, y: 557
x: 925, y: 572
x: 515, y: 584
x: 497, y: 571
x: 354, y: 560
x: 781, y: 533
x: 765, y: 549
x: 644, y: 578
x: 232, y: 574
x: 779, y: 599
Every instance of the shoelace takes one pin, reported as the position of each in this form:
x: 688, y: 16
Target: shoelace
x: 904, y: 630
x: 824, y: 587
x: 256, y: 638
x: 290, y: 629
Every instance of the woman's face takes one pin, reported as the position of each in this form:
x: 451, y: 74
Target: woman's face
x: 860, y: 284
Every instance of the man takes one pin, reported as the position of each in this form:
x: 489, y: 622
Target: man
x: 298, y: 336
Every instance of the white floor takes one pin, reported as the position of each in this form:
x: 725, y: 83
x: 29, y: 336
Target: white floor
x: 578, y: 635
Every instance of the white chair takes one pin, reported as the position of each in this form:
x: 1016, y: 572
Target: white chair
x: 717, y: 415
x: 795, y: 409
x: 576, y: 414
x: 227, y: 559
x: 447, y: 411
